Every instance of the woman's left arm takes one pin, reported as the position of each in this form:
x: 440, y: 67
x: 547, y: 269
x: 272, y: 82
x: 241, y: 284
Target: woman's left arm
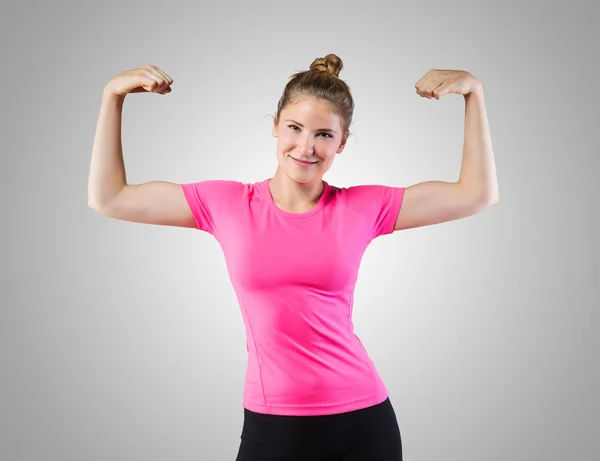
x: 434, y: 202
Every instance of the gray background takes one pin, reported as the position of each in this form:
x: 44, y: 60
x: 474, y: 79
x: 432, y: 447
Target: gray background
x: 124, y: 341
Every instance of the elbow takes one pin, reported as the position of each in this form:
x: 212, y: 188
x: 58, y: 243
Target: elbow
x: 98, y: 202
x: 492, y: 200
x: 489, y: 197
x: 91, y: 198
x: 93, y: 205
x: 482, y: 196
x: 484, y: 202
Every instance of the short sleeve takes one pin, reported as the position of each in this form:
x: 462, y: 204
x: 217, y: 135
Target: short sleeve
x: 380, y: 206
x: 210, y: 201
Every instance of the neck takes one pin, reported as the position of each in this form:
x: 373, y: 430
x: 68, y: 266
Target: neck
x: 292, y: 194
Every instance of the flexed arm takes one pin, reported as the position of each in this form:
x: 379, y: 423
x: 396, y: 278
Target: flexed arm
x: 153, y: 202
x: 434, y: 202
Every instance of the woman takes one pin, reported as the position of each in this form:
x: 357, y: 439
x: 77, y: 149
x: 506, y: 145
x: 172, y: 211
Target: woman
x: 293, y: 245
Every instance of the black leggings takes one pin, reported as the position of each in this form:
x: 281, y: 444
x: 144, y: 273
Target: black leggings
x: 368, y: 434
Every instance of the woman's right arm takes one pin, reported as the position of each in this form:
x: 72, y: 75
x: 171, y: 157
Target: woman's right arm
x: 156, y: 202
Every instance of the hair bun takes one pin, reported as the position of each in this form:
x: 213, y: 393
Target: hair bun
x: 331, y: 64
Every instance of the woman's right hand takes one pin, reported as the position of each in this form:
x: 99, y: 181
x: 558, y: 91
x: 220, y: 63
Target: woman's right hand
x: 147, y: 79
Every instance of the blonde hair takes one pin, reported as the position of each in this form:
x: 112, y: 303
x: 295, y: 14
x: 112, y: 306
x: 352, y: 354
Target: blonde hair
x: 321, y: 81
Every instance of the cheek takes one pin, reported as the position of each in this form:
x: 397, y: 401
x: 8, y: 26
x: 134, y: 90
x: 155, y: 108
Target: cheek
x: 285, y: 144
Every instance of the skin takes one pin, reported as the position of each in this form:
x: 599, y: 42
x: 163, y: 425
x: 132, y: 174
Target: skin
x: 297, y: 189
x: 294, y: 188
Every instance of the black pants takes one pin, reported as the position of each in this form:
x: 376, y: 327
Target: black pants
x: 368, y: 434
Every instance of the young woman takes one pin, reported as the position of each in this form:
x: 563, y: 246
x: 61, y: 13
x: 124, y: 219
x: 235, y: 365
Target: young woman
x: 293, y: 245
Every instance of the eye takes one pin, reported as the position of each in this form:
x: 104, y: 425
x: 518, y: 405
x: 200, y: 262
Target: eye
x: 293, y: 127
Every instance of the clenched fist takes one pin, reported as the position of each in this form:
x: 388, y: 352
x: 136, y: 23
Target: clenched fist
x: 150, y: 79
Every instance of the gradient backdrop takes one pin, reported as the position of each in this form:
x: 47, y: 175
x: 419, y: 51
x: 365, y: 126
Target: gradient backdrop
x: 124, y: 341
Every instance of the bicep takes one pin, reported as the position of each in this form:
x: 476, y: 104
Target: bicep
x: 435, y: 202
x: 155, y: 202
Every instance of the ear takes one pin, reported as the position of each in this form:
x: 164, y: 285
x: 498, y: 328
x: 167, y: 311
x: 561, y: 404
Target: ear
x: 275, y: 126
x: 340, y: 149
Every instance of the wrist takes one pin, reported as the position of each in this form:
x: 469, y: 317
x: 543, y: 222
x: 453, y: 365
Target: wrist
x: 477, y: 92
x: 111, y: 95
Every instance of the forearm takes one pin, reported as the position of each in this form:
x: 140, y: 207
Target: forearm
x: 478, y: 170
x: 107, y: 169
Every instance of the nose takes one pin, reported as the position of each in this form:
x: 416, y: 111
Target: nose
x: 305, y: 145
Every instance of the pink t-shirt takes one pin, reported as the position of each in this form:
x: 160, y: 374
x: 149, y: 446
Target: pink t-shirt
x: 294, y: 277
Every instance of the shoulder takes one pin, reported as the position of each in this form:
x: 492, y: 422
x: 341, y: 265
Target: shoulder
x: 221, y: 187
x: 222, y: 191
x: 367, y: 196
x: 375, y: 204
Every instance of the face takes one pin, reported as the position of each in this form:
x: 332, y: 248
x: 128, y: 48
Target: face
x: 309, y: 131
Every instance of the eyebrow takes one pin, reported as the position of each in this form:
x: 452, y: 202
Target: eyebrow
x: 300, y: 124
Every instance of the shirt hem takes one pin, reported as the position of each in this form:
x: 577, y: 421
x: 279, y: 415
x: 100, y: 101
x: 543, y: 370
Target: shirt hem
x: 396, y: 207
x: 315, y: 410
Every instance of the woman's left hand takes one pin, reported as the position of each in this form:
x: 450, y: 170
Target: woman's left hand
x: 437, y: 82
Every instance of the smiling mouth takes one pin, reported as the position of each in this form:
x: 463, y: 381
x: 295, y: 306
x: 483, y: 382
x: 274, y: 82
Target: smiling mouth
x: 302, y: 161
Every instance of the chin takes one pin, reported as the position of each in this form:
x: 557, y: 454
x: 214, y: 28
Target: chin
x: 301, y: 177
